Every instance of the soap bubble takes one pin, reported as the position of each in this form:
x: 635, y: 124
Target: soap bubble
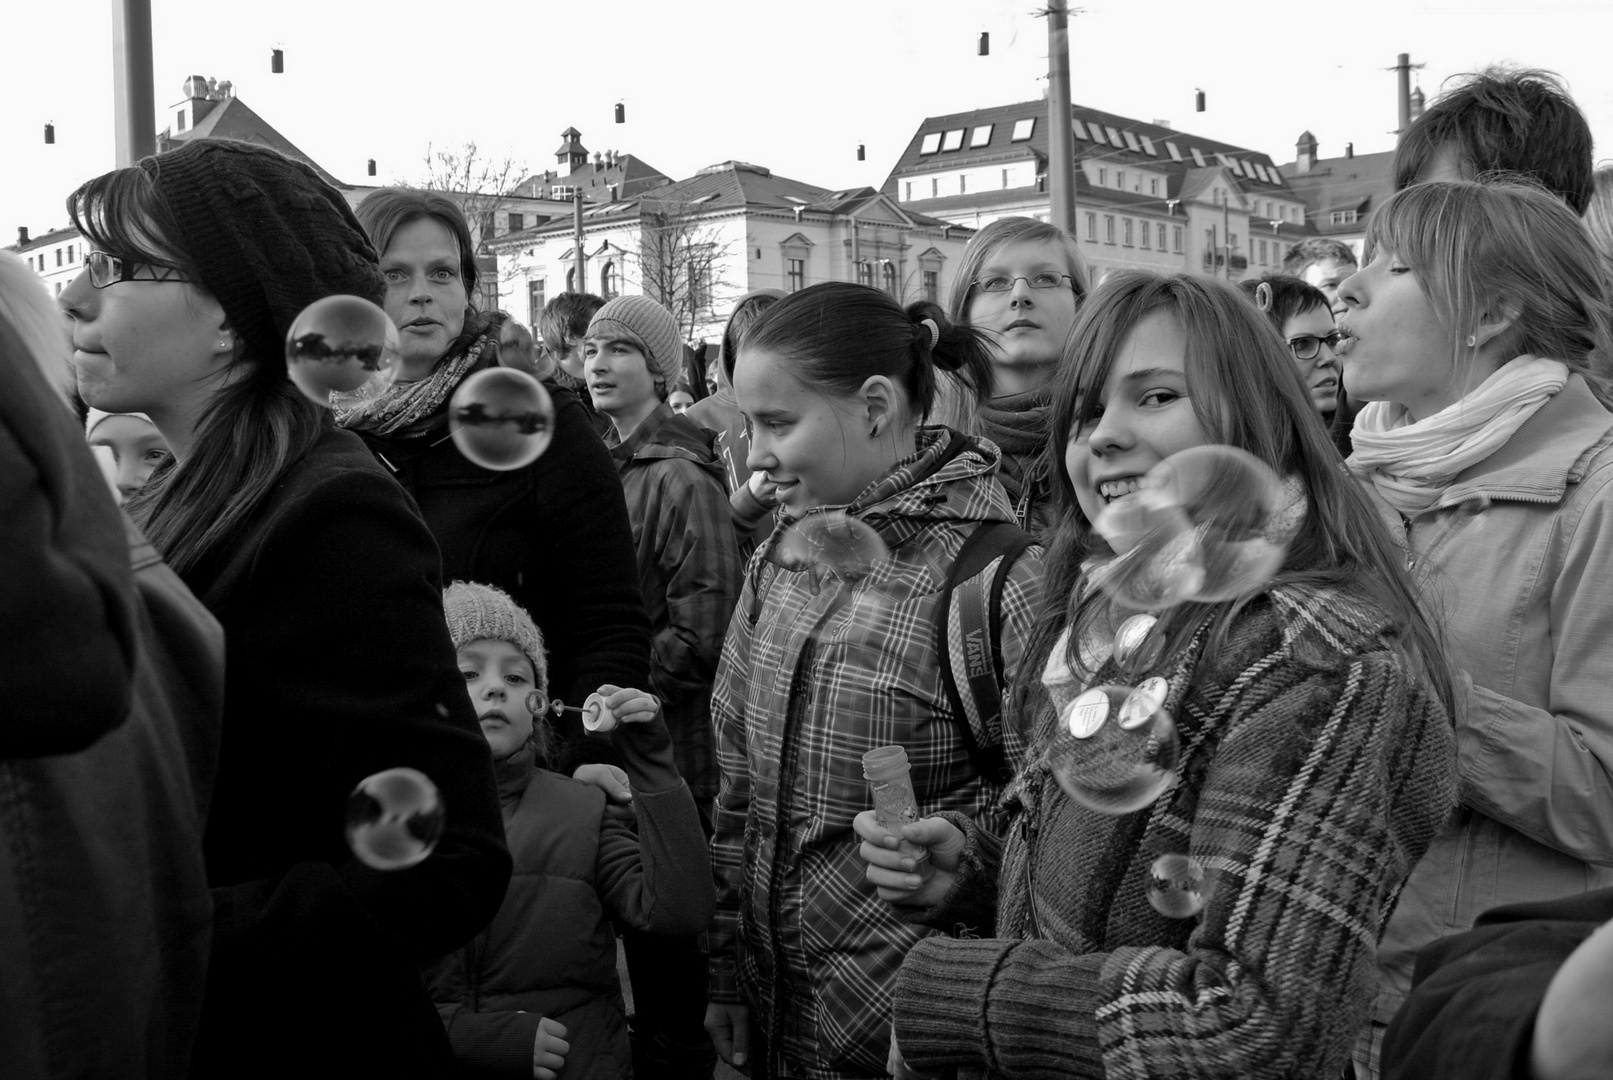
x: 1117, y: 748
x: 1136, y: 647
x: 1207, y: 524
x: 501, y: 418
x: 1176, y: 886
x: 833, y: 543
x: 342, y: 351
x: 394, y: 819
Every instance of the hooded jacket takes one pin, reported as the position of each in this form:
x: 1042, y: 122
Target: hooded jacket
x: 1515, y: 560
x: 689, y: 570
x: 813, y: 675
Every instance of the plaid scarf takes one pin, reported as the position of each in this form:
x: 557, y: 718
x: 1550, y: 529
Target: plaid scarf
x: 404, y: 405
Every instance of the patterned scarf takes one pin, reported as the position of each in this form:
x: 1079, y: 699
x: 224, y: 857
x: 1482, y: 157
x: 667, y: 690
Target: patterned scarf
x: 405, y: 405
x: 1019, y: 425
x: 1411, y: 464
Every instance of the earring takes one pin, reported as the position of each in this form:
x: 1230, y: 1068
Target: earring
x: 873, y: 429
x: 1472, y: 341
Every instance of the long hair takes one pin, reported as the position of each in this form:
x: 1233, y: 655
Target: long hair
x: 1245, y: 392
x: 255, y: 428
x: 1504, y: 243
x: 836, y: 335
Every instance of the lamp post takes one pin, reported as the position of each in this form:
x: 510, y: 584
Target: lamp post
x: 133, y: 98
x: 1060, y: 141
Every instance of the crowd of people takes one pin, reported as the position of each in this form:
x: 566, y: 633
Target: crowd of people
x: 1390, y: 768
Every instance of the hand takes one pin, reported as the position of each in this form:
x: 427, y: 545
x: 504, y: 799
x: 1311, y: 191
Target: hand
x: 628, y: 705
x: 549, y: 1049
x: 1572, y: 1040
x: 762, y: 490
x: 896, y: 1066
x: 613, y: 782
x: 897, y: 876
x: 729, y: 1026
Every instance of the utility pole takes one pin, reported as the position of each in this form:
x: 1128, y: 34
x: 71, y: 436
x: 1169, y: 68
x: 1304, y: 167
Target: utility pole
x: 133, y: 97
x: 581, y: 284
x: 1060, y: 142
x: 1403, y: 90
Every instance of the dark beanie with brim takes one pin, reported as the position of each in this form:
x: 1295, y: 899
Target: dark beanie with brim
x: 266, y: 234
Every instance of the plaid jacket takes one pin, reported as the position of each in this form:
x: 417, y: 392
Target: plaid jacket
x: 810, y: 678
x: 1316, y: 768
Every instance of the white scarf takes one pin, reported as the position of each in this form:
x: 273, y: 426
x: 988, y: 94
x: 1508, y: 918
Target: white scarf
x: 1411, y: 464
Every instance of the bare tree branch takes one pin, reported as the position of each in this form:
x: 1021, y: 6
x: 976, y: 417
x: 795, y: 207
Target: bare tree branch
x: 682, y: 260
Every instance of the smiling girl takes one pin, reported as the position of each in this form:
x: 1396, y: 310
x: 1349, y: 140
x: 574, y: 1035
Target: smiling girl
x: 1479, y: 331
x: 835, y: 382
x: 1315, y: 753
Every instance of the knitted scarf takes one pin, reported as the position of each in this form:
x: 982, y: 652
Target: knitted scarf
x: 1018, y: 424
x: 405, y: 405
x: 1411, y: 464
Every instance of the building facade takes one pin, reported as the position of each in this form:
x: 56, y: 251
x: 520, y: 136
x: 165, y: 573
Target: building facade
x: 1147, y: 196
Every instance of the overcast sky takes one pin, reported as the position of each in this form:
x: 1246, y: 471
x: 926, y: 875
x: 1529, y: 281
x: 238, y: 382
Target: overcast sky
x: 794, y: 87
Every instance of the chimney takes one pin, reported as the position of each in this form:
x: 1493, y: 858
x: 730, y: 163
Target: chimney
x: 599, y: 161
x: 1305, y: 153
x: 200, y: 99
x: 1349, y: 151
x: 22, y: 236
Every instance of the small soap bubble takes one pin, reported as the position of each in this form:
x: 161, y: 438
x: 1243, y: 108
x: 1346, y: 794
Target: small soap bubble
x: 1176, y: 886
x: 831, y: 542
x: 1207, y: 524
x: 1136, y: 647
x: 1117, y: 748
x: 394, y: 819
x: 342, y: 351
x: 501, y: 419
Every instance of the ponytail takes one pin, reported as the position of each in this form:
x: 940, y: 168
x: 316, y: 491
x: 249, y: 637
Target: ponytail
x: 961, y: 351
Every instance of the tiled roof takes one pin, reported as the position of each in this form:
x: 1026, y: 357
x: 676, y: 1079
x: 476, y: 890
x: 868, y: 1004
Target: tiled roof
x: 55, y: 236
x: 234, y: 119
x: 631, y: 175
x: 1096, y: 135
x: 1343, y: 183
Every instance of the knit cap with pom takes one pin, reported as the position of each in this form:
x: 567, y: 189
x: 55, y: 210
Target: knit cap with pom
x: 648, y: 325
x: 482, y: 613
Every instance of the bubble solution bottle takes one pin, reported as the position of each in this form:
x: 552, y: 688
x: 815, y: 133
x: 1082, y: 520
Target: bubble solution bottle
x: 885, y: 768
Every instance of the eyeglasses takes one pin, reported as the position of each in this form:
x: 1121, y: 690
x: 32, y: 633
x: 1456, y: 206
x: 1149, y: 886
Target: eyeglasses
x: 105, y: 269
x: 1306, y: 346
x: 1000, y: 283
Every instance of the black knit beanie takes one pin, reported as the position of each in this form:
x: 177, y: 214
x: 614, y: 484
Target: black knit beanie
x: 267, y: 235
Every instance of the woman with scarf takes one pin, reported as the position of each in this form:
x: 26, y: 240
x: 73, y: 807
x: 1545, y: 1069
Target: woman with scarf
x: 1022, y: 281
x: 1479, y: 331
x: 554, y: 534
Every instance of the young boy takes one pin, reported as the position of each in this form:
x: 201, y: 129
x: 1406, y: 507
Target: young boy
x: 562, y: 325
x: 536, y: 993
x: 690, y: 572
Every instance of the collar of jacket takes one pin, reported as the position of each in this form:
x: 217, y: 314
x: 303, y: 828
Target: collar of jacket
x: 1552, y: 449
x: 663, y: 435
x: 514, y: 773
x: 947, y: 477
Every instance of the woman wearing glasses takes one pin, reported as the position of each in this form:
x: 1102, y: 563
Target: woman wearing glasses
x: 1478, y: 332
x: 1022, y: 282
x: 327, y: 584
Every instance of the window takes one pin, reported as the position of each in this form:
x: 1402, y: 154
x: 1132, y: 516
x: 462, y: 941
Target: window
x: 1170, y: 147
x: 1103, y: 177
x: 865, y: 273
x: 890, y: 277
x: 58, y: 256
x: 1148, y: 146
x: 571, y: 279
x: 1153, y: 185
x: 963, y: 183
x: 1108, y: 228
x: 517, y: 222
x: 795, y: 275
x: 1262, y: 253
x: 69, y: 254
x: 562, y: 191
x: 1114, y: 136
x: 1162, y: 239
x: 931, y: 143
x: 534, y: 301
x: 1092, y: 227
x: 1341, y: 217
x: 1232, y: 239
x: 953, y: 140
x: 1131, y: 141
x: 1023, y: 129
x: 1125, y: 232
x: 1078, y: 129
x: 908, y: 188
x: 935, y: 186
x: 1145, y: 236
x: 1005, y: 179
x: 700, y: 278
x: 1176, y: 238
x: 1120, y: 179
x: 607, y: 280
x: 1198, y: 158
x: 931, y: 280
x: 980, y: 136
x: 179, y: 120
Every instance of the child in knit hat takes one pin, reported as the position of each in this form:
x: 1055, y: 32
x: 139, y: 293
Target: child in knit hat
x: 537, y: 990
x: 690, y: 574
x: 128, y: 447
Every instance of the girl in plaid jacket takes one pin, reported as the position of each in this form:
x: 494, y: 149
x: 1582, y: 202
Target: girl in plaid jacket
x: 1316, y: 754
x: 816, y: 669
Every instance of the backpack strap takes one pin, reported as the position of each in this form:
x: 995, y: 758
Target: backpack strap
x: 969, y: 639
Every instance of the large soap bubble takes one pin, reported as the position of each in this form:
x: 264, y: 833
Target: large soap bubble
x: 1117, y: 748
x: 831, y: 542
x: 342, y: 351
x: 394, y: 819
x: 1207, y: 524
x: 501, y: 419
x: 1176, y: 886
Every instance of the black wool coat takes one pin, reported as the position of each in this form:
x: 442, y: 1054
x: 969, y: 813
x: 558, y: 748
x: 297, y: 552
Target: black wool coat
x: 554, y: 535
x: 338, y: 665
